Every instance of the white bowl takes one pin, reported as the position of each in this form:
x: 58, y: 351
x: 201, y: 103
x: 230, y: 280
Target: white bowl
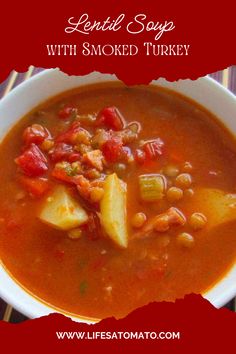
x: 51, y: 82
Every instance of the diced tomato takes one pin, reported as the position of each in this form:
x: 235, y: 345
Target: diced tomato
x: 60, y: 151
x: 65, y: 152
x: 63, y: 176
x: 112, y: 149
x: 73, y: 157
x: 140, y: 156
x: 35, y: 134
x: 67, y: 112
x: 32, y: 162
x: 154, y: 148
x: 110, y: 117
x: 69, y: 136
x: 35, y: 186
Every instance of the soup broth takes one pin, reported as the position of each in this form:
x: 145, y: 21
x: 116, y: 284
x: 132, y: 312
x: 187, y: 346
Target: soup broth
x: 146, y: 178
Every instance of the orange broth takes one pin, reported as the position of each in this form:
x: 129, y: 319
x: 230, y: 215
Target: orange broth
x: 95, y: 278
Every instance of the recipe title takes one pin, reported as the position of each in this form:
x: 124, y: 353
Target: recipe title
x: 139, y: 25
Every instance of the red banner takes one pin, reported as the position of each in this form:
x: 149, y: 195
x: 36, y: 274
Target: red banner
x: 138, y: 41
x: 191, y: 325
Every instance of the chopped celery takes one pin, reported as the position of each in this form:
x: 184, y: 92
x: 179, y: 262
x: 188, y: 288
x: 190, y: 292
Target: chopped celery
x: 152, y: 187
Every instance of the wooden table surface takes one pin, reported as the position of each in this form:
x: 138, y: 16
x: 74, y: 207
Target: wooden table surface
x: 226, y: 77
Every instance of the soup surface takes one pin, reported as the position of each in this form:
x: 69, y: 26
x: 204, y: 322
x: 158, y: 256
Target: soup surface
x: 112, y: 197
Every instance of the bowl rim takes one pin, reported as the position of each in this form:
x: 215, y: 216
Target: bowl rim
x: 32, y: 306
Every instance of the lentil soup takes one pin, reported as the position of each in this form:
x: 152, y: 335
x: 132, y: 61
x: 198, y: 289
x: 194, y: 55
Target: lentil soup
x: 112, y: 197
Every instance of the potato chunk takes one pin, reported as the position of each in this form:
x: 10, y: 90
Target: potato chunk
x: 61, y: 211
x: 113, y: 210
x: 218, y: 206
